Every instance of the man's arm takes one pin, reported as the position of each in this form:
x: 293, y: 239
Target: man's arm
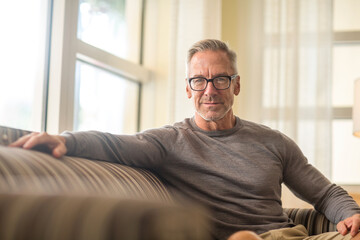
x: 147, y: 149
x: 55, y: 143
x: 312, y: 186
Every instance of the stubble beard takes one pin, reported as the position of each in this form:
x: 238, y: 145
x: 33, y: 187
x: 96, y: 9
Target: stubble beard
x: 212, y: 118
x: 215, y: 117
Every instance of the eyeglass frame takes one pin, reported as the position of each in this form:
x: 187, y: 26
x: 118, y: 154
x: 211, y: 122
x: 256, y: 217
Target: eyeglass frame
x: 212, y: 81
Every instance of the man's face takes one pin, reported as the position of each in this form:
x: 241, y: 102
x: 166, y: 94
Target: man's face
x: 212, y: 104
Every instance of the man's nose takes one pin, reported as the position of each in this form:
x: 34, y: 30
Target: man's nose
x: 210, y: 89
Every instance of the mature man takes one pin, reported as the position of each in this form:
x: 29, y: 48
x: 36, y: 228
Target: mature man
x: 233, y: 167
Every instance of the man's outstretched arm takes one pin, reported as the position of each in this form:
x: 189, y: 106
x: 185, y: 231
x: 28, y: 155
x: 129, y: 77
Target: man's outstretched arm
x: 147, y: 149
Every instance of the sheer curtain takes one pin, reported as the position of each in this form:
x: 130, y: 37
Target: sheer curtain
x: 171, y: 27
x: 296, y: 79
x: 191, y: 21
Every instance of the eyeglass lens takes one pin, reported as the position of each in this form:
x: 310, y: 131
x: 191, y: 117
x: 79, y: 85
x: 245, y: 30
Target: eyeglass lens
x: 219, y: 83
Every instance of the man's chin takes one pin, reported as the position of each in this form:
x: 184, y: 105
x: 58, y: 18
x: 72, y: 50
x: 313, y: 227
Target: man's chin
x: 211, y: 117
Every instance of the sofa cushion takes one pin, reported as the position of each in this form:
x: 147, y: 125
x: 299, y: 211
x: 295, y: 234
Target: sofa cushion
x: 29, y: 171
x: 314, y: 221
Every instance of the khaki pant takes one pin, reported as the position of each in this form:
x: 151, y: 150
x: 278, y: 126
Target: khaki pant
x: 299, y: 232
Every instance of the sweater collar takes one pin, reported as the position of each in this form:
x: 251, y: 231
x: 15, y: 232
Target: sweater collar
x: 238, y: 125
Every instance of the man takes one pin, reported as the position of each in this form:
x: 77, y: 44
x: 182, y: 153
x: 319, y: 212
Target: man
x: 233, y: 167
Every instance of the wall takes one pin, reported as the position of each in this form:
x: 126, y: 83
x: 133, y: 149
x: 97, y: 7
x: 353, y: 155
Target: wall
x: 241, y: 28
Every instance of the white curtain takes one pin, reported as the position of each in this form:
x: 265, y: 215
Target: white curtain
x: 171, y: 27
x: 191, y: 21
x: 295, y: 85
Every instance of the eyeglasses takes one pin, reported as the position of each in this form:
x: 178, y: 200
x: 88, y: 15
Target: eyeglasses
x: 219, y: 83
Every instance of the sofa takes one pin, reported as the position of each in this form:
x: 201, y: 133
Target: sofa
x: 42, y: 197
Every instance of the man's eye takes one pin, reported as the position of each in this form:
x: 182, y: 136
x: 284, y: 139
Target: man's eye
x: 221, y: 79
x: 198, y: 81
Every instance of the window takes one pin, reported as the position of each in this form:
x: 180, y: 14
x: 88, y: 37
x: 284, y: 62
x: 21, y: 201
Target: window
x: 346, y: 68
x: 104, y: 99
x: 24, y: 56
x: 113, y: 26
x: 71, y: 65
x: 96, y: 72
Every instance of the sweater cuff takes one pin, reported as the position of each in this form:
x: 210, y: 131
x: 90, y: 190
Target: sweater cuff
x: 70, y: 142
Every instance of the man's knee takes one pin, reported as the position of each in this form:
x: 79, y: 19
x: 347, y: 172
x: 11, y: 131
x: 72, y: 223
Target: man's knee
x: 247, y: 235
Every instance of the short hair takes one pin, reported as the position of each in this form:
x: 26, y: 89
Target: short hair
x: 212, y: 45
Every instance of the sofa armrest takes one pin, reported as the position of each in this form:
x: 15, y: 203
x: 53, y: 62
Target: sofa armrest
x: 315, y: 222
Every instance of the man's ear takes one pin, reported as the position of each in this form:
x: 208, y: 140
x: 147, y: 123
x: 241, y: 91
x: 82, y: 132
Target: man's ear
x: 237, y: 86
x: 188, y: 90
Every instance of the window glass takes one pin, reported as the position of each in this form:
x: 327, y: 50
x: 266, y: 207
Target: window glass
x: 346, y: 15
x: 23, y: 62
x: 114, y: 26
x: 105, y: 101
x: 346, y: 65
x: 346, y: 154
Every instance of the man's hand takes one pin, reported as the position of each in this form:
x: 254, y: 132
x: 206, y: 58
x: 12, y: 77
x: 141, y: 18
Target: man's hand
x: 351, y: 225
x: 55, y: 143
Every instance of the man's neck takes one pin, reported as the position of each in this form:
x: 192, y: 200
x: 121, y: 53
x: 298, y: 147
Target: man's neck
x: 225, y: 123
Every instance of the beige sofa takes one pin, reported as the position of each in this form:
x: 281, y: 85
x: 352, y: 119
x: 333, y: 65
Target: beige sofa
x: 42, y: 197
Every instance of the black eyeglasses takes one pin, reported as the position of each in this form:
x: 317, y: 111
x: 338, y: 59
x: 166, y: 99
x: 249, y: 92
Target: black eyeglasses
x: 220, y: 82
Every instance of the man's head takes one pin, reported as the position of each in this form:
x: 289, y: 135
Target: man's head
x: 212, y: 82
x: 211, y: 45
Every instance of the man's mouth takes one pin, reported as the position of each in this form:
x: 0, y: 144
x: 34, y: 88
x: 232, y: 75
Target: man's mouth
x: 211, y: 103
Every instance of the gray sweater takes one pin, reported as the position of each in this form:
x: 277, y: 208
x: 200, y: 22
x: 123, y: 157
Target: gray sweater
x: 236, y: 173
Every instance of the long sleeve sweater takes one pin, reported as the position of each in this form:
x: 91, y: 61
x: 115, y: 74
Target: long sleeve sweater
x: 236, y: 173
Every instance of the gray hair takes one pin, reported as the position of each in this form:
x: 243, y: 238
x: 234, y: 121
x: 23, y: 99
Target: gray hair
x: 212, y: 45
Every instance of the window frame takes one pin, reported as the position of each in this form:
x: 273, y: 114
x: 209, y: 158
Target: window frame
x: 66, y: 49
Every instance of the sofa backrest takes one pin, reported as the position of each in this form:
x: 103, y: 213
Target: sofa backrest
x: 29, y: 171
x: 32, y: 171
x: 9, y: 135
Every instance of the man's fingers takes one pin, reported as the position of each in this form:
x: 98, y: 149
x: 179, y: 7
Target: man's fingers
x: 59, y: 151
x: 354, y: 231
x: 353, y: 223
x: 350, y: 224
x: 56, y: 144
x: 355, y: 228
x: 342, y: 229
x: 22, y: 140
x: 39, y: 139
